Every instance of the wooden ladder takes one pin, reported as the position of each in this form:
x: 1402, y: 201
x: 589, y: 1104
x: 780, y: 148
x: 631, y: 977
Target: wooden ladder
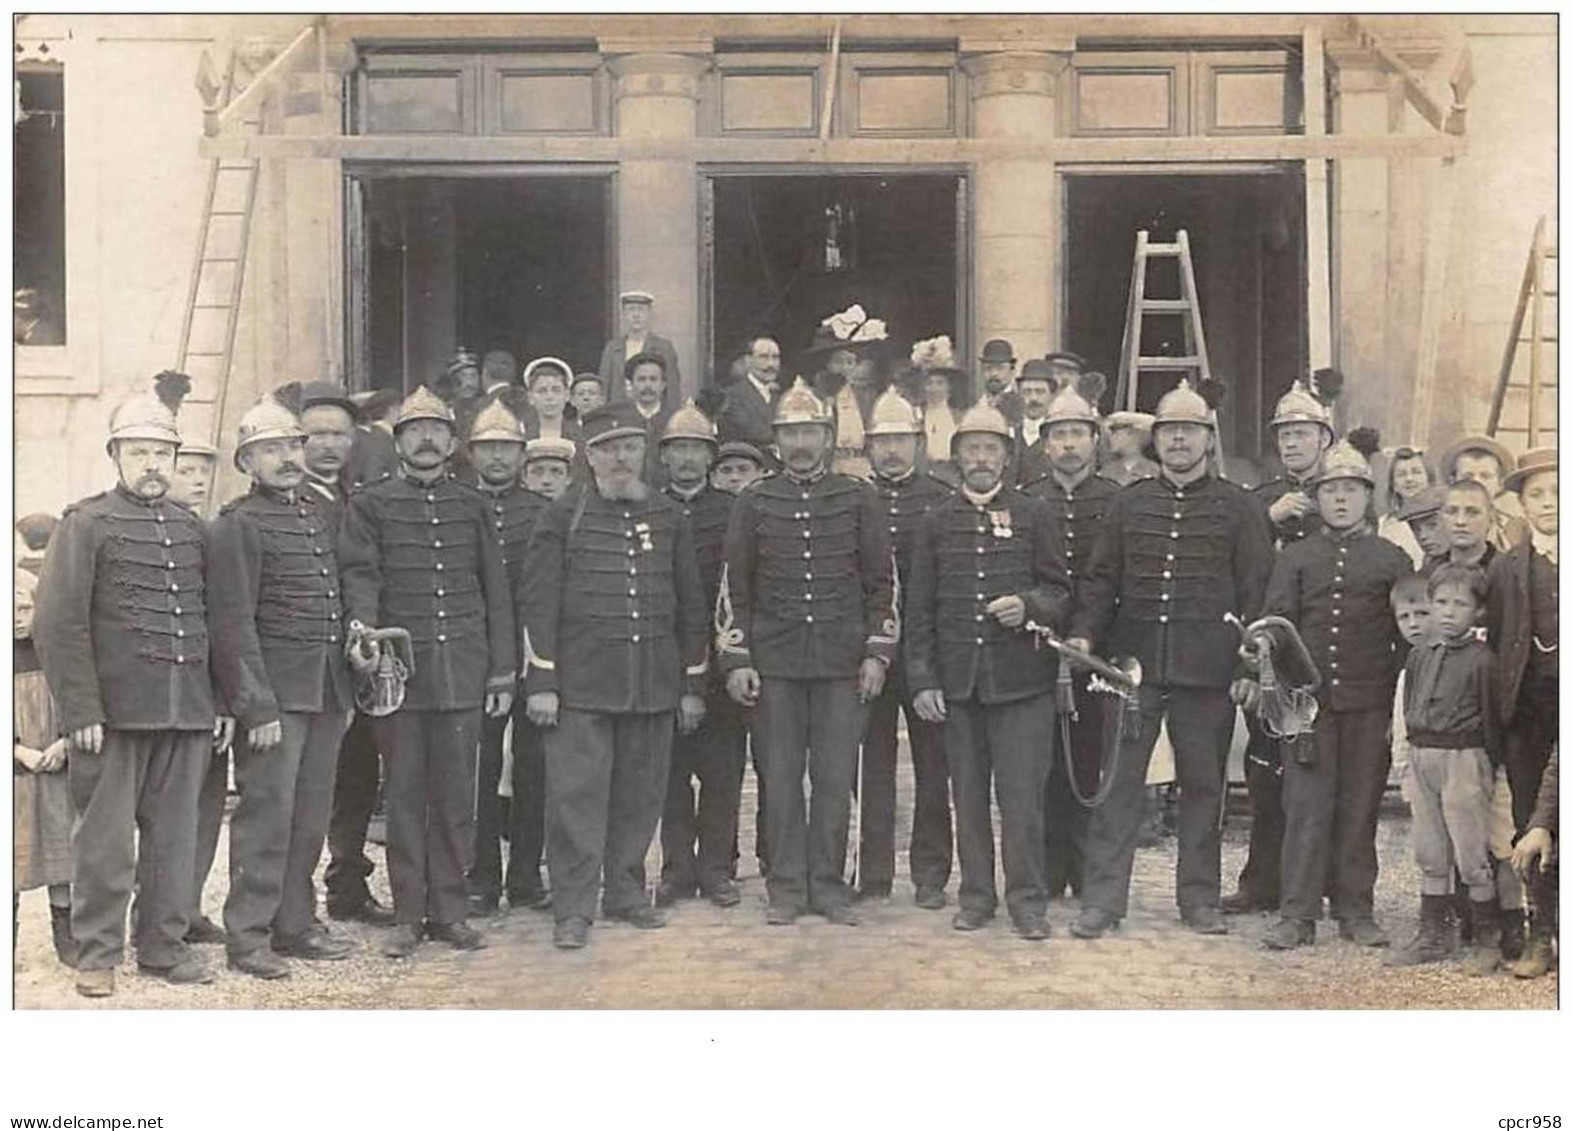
x: 1193, y: 363
x: 207, y: 332
x: 1540, y: 287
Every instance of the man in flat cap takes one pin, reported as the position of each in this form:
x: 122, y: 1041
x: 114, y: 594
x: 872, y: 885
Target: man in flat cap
x: 638, y: 310
x: 417, y: 552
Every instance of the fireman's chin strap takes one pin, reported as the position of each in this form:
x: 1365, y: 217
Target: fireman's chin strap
x: 1122, y: 679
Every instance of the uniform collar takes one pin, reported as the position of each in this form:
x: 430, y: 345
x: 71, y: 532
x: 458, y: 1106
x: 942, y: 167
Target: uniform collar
x: 897, y: 480
x: 809, y: 480
x: 273, y: 494
x: 487, y: 489
x: 683, y: 496
x: 132, y: 497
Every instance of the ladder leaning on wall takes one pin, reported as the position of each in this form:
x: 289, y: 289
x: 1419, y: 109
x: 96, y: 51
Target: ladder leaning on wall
x: 1193, y: 363
x: 1537, y: 301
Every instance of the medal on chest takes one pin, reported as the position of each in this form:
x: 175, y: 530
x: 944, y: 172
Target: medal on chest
x: 1001, y: 524
x: 642, y: 529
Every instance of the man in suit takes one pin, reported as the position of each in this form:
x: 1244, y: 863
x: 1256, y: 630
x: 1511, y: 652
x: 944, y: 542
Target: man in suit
x: 749, y: 408
x: 1523, y: 624
x: 644, y: 379
x: 417, y: 552
x: 1035, y: 388
x: 638, y: 309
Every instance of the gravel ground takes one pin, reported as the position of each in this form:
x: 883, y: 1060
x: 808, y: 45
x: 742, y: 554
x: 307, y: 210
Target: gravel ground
x: 901, y: 957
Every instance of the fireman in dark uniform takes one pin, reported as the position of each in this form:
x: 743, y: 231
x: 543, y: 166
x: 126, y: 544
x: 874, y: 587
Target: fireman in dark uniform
x: 616, y: 662
x: 121, y: 630
x: 1078, y: 498
x: 1302, y: 427
x: 1335, y: 587
x: 496, y: 452
x: 1175, y: 553
x: 906, y: 494
x: 697, y: 833
x: 417, y: 552
x: 974, y: 668
x: 806, y: 627
x: 278, y: 651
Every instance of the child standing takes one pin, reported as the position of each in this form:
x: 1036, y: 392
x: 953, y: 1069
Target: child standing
x: 1450, y: 709
x: 1411, y: 608
x: 1335, y: 587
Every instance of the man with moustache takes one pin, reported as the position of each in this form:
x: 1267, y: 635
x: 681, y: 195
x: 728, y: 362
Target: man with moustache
x: 697, y: 833
x: 121, y: 631
x: 417, y: 552
x: 1036, y: 389
x: 806, y: 626
x: 1078, y: 498
x: 1302, y: 428
x: 997, y: 366
x: 646, y: 388
x: 339, y: 457
x: 496, y: 451
x: 1175, y: 553
x: 279, y: 655
x: 974, y: 669
x: 616, y: 662
x: 749, y: 407
x: 905, y: 496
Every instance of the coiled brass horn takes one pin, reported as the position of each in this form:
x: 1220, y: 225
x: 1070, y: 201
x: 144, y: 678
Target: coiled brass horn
x: 382, y: 660
x: 1289, y: 676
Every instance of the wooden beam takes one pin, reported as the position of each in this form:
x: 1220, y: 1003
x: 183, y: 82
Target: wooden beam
x: 1438, y: 248
x: 870, y: 151
x: 1318, y: 247
x: 248, y: 98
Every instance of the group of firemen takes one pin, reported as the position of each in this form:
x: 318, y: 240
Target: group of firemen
x: 615, y: 618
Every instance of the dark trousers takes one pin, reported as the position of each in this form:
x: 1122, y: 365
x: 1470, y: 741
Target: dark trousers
x: 605, y: 785
x: 136, y: 817
x: 812, y: 726
x: 355, y: 785
x: 1330, y: 808
x: 276, y: 834
x: 526, y: 823
x: 932, y: 844
x: 1527, y: 742
x: 430, y: 801
x: 1066, y: 818
x: 1259, y: 878
x: 697, y: 832
x: 210, y: 820
x: 1002, y: 750
x: 1200, y: 724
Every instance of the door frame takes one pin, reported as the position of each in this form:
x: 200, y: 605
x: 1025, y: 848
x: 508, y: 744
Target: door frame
x: 964, y: 331
x: 1290, y: 169
x: 356, y: 330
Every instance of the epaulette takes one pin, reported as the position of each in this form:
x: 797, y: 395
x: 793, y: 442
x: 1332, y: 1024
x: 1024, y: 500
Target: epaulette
x: 80, y: 503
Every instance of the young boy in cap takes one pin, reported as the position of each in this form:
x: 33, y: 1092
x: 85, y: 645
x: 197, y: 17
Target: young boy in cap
x: 1522, y: 623
x: 586, y: 394
x: 1454, y: 733
x: 1335, y: 586
x: 1486, y: 461
x: 1422, y: 512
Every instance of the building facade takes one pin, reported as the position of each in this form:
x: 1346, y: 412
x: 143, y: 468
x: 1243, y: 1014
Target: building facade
x: 1358, y: 193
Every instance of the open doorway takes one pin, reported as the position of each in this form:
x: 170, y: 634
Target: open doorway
x: 1247, y: 241
x: 786, y: 252
x: 519, y: 263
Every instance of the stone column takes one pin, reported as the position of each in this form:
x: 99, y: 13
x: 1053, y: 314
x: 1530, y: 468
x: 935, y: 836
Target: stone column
x: 1364, y: 105
x: 657, y: 198
x: 1016, y: 198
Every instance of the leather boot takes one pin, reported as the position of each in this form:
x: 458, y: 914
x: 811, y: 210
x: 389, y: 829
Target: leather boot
x: 1433, y: 943
x: 1484, y: 957
x: 60, y: 928
x: 1539, y: 956
x: 1511, y: 934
